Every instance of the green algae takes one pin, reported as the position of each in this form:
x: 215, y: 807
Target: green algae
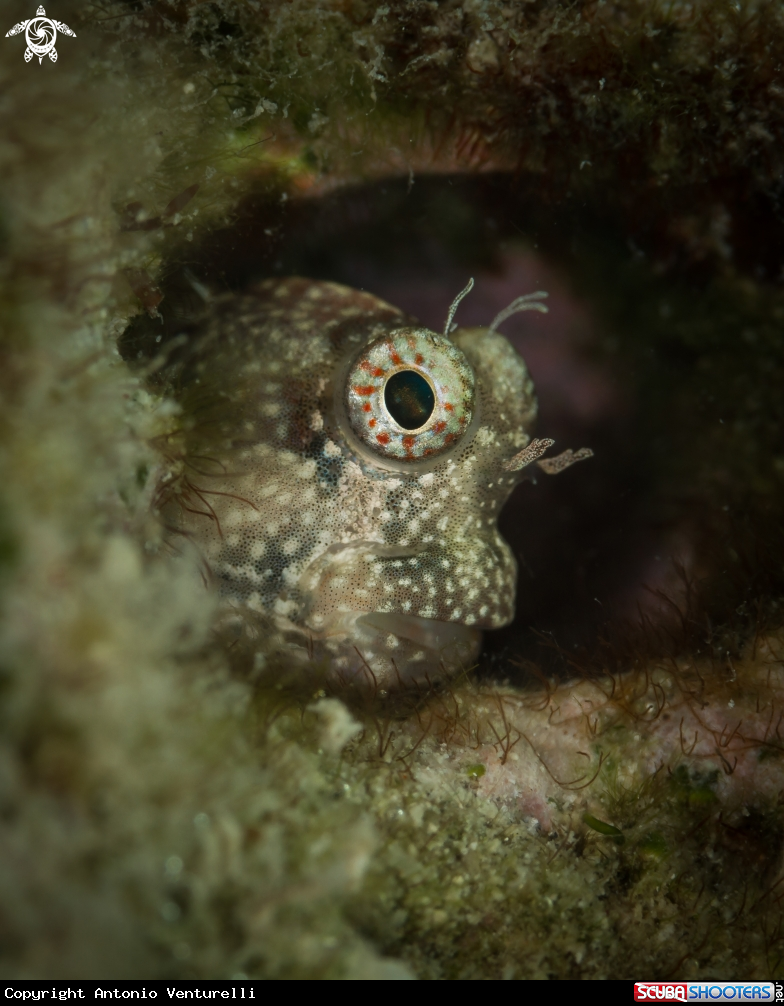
x: 603, y: 828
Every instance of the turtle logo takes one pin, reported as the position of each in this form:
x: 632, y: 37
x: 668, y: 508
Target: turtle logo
x: 41, y: 33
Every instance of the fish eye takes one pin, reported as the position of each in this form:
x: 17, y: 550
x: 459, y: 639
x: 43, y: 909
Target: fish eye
x: 410, y: 395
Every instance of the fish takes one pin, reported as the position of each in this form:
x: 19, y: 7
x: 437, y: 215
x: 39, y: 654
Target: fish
x: 341, y: 473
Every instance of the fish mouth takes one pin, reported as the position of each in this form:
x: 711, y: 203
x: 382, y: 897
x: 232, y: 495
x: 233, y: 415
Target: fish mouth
x: 426, y: 632
x: 386, y: 650
x: 381, y: 648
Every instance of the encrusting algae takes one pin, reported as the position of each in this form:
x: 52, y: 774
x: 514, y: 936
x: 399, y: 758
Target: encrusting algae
x: 166, y: 810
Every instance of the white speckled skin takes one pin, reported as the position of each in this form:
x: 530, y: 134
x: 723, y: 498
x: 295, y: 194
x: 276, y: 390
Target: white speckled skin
x: 323, y: 551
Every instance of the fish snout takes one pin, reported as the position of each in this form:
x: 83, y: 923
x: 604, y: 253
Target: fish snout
x: 399, y: 616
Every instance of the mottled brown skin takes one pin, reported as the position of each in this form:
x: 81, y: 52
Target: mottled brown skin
x: 383, y: 571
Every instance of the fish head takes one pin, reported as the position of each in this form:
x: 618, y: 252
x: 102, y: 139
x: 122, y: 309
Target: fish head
x: 342, y: 475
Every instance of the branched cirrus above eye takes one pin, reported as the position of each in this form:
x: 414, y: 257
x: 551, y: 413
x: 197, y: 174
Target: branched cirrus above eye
x: 410, y: 395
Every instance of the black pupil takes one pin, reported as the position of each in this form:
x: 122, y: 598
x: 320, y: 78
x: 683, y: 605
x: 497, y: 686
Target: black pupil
x: 409, y: 399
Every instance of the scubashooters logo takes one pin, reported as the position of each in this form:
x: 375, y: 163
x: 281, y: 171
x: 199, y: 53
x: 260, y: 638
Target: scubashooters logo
x: 686, y: 992
x: 41, y: 34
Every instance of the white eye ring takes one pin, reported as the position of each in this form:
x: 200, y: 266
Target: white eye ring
x: 445, y: 370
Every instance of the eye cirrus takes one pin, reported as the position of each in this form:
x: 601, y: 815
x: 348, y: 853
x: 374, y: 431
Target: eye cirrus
x: 410, y: 395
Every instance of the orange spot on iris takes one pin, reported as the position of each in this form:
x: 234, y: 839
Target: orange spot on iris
x: 395, y: 358
x: 383, y: 438
x: 365, y: 365
x: 378, y: 372
x: 439, y: 427
x: 371, y: 423
x: 408, y: 442
x: 449, y: 408
x: 364, y: 389
x: 419, y: 359
x: 367, y: 407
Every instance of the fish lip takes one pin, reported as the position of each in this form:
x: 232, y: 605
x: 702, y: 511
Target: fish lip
x: 431, y: 633
x: 395, y: 650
